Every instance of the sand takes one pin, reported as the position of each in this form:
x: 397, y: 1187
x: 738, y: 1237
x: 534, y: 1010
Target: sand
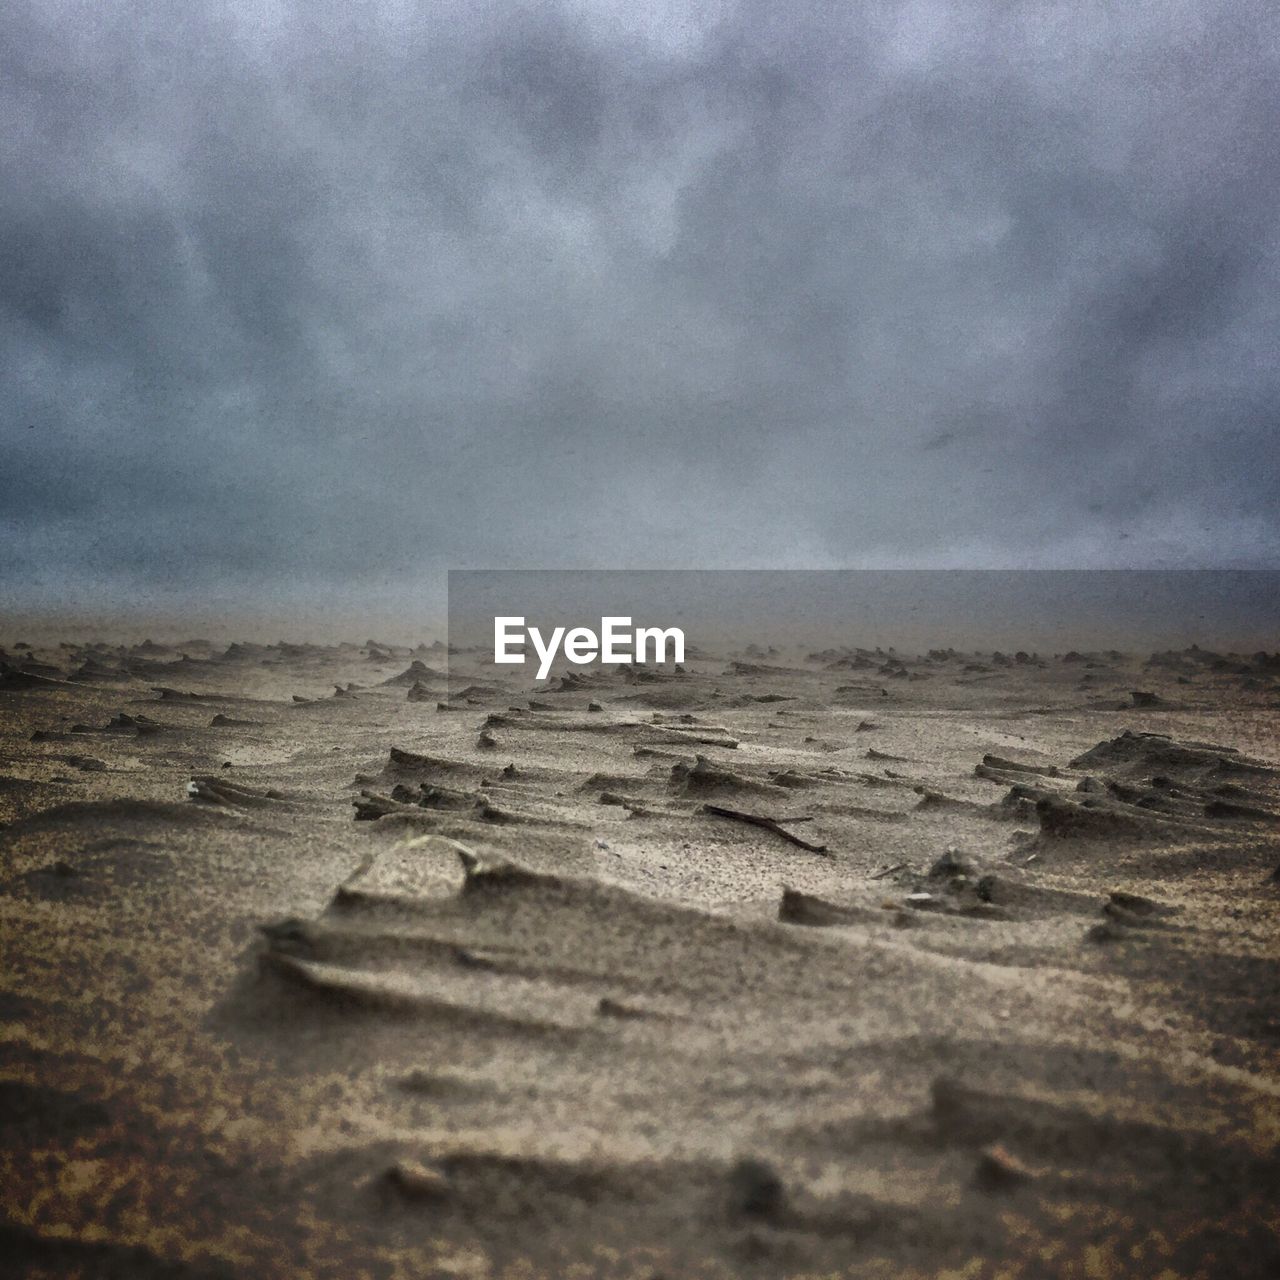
x: 317, y: 964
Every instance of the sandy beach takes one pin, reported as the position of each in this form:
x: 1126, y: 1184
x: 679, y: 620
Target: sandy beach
x: 319, y: 962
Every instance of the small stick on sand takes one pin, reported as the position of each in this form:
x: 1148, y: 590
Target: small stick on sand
x: 888, y: 871
x: 769, y: 824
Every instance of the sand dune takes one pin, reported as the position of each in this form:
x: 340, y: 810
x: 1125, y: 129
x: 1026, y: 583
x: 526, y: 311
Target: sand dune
x: 971, y: 968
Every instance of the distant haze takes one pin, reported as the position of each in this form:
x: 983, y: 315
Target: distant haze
x: 303, y: 304
x: 1049, y: 611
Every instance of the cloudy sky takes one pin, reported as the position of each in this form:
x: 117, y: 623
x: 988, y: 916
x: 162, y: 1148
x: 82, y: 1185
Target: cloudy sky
x: 323, y: 298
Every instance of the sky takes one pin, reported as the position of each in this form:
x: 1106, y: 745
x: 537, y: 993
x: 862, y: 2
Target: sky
x: 311, y: 302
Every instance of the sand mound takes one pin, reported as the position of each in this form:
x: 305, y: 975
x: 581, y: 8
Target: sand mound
x: 703, y: 778
x: 1152, y: 753
x: 24, y: 678
x: 417, y: 672
x: 93, y: 814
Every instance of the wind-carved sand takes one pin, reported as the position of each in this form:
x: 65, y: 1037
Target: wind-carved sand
x: 319, y: 961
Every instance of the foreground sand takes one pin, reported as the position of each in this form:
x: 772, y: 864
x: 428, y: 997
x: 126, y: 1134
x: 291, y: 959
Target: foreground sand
x: 359, y: 986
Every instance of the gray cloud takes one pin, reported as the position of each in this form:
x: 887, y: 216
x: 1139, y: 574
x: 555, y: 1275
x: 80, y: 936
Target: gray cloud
x: 323, y: 296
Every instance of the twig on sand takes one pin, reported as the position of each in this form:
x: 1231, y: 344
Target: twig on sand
x: 769, y: 824
x: 888, y: 871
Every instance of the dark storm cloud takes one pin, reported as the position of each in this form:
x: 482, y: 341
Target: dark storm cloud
x: 295, y: 295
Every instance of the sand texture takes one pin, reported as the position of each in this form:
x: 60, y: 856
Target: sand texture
x: 317, y: 962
